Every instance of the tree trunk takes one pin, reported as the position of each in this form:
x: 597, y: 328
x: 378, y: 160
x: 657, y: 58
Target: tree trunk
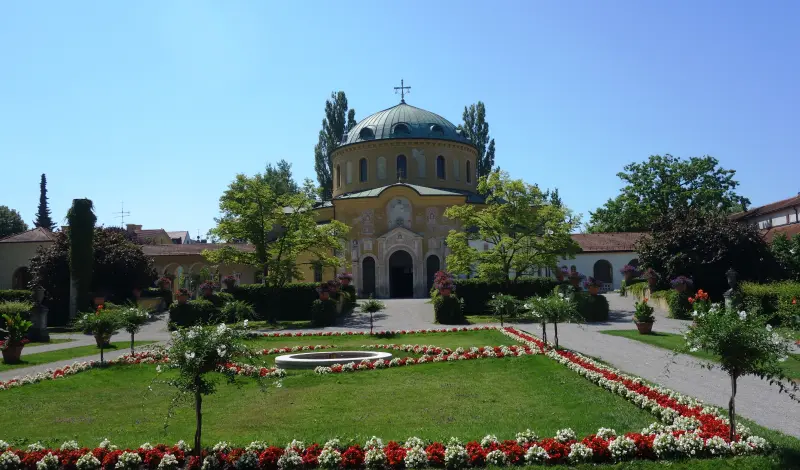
x: 732, y: 407
x: 131, y: 344
x: 555, y: 333
x: 544, y: 332
x: 198, y: 405
x: 101, y: 353
x: 501, y: 318
x: 370, y: 323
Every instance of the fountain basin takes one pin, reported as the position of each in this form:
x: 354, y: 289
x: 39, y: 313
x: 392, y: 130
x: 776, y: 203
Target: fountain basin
x: 327, y: 359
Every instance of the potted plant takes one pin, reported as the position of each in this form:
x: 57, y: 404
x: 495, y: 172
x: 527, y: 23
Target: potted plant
x: 443, y: 282
x: 681, y: 283
x: 229, y: 281
x: 183, y: 295
x: 333, y: 286
x: 575, y: 278
x: 345, y: 278
x: 207, y: 288
x: 593, y: 285
x: 16, y: 327
x: 652, y: 278
x: 562, y: 273
x: 98, y: 299
x: 132, y: 319
x: 103, y: 324
x: 629, y: 272
x: 643, y: 317
x: 324, y: 291
x: 164, y: 283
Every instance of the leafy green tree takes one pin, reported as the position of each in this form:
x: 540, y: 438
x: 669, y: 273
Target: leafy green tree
x: 477, y: 129
x: 11, y: 222
x: 280, y: 227
x: 43, y: 218
x: 787, y: 251
x: 703, y: 246
x: 279, y: 178
x: 555, y: 308
x: 523, y: 228
x: 663, y: 184
x: 81, y: 220
x: 338, y: 121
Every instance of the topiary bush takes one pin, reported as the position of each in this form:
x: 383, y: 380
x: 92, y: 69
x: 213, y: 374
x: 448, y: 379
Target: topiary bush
x: 448, y: 310
x: 193, y: 312
x: 476, y: 293
x: 323, y: 313
x: 14, y: 295
x: 679, y: 305
x: 291, y: 302
x: 777, y: 302
x: 592, y: 308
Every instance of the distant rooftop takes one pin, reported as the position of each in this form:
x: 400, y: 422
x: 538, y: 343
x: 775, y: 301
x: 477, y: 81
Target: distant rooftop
x: 36, y: 235
x: 768, y: 208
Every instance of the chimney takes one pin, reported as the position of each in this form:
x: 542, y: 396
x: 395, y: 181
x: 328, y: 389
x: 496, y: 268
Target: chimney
x: 133, y: 228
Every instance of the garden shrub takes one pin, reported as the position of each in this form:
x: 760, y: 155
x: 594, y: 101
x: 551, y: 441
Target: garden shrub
x: 193, y: 312
x: 592, y: 307
x: 678, y: 303
x: 476, y: 293
x: 291, y: 302
x: 153, y: 292
x: 636, y: 289
x: 235, y: 311
x: 350, y: 290
x: 12, y: 295
x: 323, y: 313
x: 778, y: 302
x: 448, y: 310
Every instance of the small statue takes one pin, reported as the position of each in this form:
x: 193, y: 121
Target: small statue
x: 731, y: 295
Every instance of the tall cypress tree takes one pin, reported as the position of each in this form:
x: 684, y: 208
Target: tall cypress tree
x: 43, y: 218
x: 81, y: 220
x: 477, y: 130
x: 338, y: 121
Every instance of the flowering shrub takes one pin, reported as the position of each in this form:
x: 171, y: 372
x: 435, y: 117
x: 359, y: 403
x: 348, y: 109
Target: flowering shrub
x: 504, y: 305
x: 592, y: 282
x: 103, y: 324
x: 208, y: 285
x: 348, y: 276
x: 443, y: 280
x: 643, y: 312
x: 629, y: 269
x: 681, y: 281
x: 745, y: 346
x: 131, y: 319
x: 16, y: 325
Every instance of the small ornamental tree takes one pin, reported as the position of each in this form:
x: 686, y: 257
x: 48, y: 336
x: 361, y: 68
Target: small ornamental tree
x: 536, y: 307
x: 132, y: 319
x: 103, y: 324
x: 504, y: 305
x: 372, y: 306
x: 745, y: 346
x: 194, y: 353
x: 556, y: 308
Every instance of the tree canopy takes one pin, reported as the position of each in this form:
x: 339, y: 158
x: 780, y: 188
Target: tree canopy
x: 663, y: 184
x: 521, y: 224
x: 477, y: 129
x: 787, y: 252
x: 281, y: 227
x: 703, y: 247
x: 279, y: 178
x: 339, y: 119
x: 11, y: 222
x: 43, y: 218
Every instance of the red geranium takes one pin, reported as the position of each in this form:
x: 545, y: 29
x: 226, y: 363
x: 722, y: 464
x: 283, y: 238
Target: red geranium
x: 435, y: 453
x: 395, y: 455
x: 353, y: 457
x: 268, y: 460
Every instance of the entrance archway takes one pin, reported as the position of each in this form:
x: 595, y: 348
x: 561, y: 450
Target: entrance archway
x: 401, y: 275
x: 603, y: 272
x: 21, y: 278
x: 368, y: 276
x: 431, y: 266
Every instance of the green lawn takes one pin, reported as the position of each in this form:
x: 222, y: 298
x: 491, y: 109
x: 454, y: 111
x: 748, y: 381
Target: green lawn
x: 479, y: 319
x: 280, y: 325
x: 68, y: 353
x: 52, y: 341
x: 674, y: 342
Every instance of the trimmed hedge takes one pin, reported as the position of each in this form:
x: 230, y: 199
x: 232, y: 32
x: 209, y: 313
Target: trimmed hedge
x: 678, y: 303
x: 291, y: 302
x: 592, y: 307
x: 323, y: 313
x: 773, y: 301
x: 193, y: 312
x: 475, y: 293
x: 12, y: 295
x: 448, y: 310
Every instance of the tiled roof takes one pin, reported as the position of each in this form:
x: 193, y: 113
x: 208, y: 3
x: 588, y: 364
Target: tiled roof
x: 191, y: 249
x: 421, y: 190
x: 768, y: 208
x: 36, y: 235
x: 789, y: 230
x: 604, y: 242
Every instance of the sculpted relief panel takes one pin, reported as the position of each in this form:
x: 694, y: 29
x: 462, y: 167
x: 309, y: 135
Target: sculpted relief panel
x: 419, y: 157
x: 398, y: 212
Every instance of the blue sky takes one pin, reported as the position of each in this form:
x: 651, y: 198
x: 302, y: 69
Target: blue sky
x: 160, y: 104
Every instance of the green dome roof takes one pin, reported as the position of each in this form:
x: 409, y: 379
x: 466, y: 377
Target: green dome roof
x: 404, y: 122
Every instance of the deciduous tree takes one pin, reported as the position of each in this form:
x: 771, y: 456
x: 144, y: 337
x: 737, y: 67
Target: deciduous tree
x: 663, y: 184
x: 11, y: 222
x: 477, y: 129
x: 339, y: 119
x: 523, y: 228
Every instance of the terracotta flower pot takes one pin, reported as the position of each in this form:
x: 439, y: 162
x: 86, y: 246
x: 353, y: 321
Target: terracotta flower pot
x: 560, y: 277
x: 644, y: 328
x: 574, y: 281
x: 445, y: 292
x: 594, y: 290
x: 99, y: 300
x: 345, y: 282
x: 12, y: 353
x: 182, y: 299
x: 628, y: 277
x: 651, y: 283
x: 324, y: 295
x: 208, y: 292
x: 102, y: 340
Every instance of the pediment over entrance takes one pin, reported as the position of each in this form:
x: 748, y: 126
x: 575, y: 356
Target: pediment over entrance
x: 400, y: 235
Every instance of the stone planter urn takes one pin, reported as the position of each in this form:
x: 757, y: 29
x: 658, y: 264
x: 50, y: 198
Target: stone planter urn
x: 594, y: 290
x: 102, y: 340
x: 12, y: 353
x: 645, y: 328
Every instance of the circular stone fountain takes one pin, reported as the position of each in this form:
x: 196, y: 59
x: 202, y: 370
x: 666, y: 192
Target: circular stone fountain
x: 313, y: 359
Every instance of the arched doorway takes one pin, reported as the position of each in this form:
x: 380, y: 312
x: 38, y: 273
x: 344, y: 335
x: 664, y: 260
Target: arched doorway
x: 634, y: 262
x: 368, y: 276
x: 431, y: 266
x: 401, y: 275
x: 603, y: 272
x: 21, y: 278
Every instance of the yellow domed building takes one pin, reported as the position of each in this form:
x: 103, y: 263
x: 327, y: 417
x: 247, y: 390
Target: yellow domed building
x: 394, y: 175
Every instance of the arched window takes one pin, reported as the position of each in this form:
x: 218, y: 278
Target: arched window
x: 338, y: 176
x: 440, y: 173
x: 469, y: 172
x: 401, y: 167
x: 362, y: 170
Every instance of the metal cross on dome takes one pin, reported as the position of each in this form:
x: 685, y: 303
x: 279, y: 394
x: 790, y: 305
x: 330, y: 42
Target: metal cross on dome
x: 403, y: 91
